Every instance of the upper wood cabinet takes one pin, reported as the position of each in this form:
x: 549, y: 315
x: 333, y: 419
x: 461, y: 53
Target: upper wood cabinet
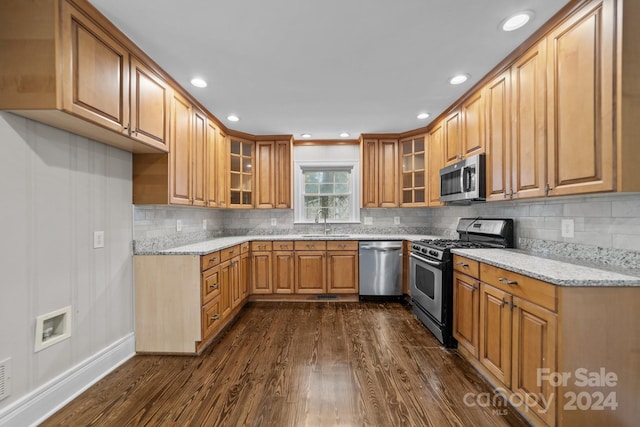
x: 150, y: 106
x: 516, y: 148
x: 473, y: 132
x: 211, y: 165
x: 453, y: 137
x: 414, y: 174
x: 181, y: 166
x: 241, y: 170
x: 80, y: 76
x: 379, y: 172
x: 436, y: 162
x: 580, y: 101
x: 199, y: 159
x: 273, y: 174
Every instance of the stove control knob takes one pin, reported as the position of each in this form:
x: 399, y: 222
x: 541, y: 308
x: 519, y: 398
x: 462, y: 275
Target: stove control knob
x: 433, y: 253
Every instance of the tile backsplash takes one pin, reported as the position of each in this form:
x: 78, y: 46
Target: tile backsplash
x: 610, y: 221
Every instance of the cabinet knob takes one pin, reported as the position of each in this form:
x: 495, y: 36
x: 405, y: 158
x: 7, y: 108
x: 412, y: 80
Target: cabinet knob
x: 213, y: 286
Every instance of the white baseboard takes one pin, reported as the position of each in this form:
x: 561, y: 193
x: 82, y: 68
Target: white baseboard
x: 43, y: 402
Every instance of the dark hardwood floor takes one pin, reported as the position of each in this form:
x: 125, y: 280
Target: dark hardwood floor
x: 298, y: 364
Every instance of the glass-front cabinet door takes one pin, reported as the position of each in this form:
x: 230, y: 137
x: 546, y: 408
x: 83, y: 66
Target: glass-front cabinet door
x: 412, y: 153
x: 241, y: 173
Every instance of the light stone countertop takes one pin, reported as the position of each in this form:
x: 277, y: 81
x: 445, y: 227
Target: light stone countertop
x: 558, y: 272
x: 218, y: 243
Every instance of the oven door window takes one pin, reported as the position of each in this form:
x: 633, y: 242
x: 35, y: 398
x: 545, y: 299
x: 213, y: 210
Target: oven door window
x: 425, y: 281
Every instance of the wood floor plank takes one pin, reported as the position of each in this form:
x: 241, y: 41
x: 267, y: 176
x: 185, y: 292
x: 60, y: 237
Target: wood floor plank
x: 297, y: 364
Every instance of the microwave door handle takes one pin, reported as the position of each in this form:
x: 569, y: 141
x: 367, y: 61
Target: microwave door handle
x: 463, y: 180
x: 466, y: 179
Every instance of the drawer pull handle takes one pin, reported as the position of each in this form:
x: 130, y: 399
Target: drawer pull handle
x: 214, y: 259
x: 507, y: 281
x: 311, y: 246
x: 262, y: 246
x: 213, y: 286
x: 215, y: 317
x: 284, y: 246
x: 462, y: 264
x: 232, y: 251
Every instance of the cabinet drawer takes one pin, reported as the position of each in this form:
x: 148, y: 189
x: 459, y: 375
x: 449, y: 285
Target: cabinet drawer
x: 283, y: 245
x: 211, y: 318
x: 261, y: 246
x: 528, y: 288
x: 342, y: 245
x: 229, y: 253
x: 310, y: 245
x: 210, y: 284
x: 244, y: 248
x: 466, y: 266
x: 209, y: 260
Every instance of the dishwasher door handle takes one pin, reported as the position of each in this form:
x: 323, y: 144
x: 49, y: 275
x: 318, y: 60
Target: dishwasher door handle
x: 384, y: 249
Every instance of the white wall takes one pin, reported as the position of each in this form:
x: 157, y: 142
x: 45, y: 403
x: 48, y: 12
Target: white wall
x: 56, y: 188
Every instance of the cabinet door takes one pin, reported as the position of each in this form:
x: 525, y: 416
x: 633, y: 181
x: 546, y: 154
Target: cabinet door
x: 369, y: 173
x: 150, y: 105
x: 473, y: 136
x: 310, y: 270
x: 210, y: 284
x: 241, y: 170
x: 499, y: 137
x: 283, y: 272
x: 211, y: 174
x: 245, y: 272
x: 265, y: 174
x: 413, y: 187
x: 222, y: 142
x: 452, y: 138
x: 225, y: 289
x: 261, y: 273
x: 180, y: 153
x: 283, y: 174
x: 342, y: 272
x: 236, y: 289
x: 95, y: 72
x: 436, y: 162
x: 387, y: 170
x: 466, y: 304
x: 528, y: 141
x: 199, y: 159
x: 211, y: 318
x: 495, y: 332
x: 534, y: 342
x: 580, y: 91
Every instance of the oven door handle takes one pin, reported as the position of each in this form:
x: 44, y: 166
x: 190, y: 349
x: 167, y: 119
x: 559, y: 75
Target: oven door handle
x: 428, y: 261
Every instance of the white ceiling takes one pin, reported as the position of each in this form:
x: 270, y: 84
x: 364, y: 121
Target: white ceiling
x: 325, y: 66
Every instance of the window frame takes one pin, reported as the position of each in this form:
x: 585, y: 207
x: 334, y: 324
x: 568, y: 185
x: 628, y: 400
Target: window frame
x: 298, y: 188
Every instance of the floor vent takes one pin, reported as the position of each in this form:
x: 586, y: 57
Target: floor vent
x: 325, y: 297
x: 5, y: 378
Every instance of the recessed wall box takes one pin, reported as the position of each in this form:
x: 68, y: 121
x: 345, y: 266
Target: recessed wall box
x: 51, y: 328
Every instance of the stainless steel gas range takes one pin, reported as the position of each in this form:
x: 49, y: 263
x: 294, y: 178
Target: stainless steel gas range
x: 431, y: 271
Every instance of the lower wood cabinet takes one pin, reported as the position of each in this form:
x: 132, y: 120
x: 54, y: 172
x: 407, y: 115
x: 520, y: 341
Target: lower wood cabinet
x: 261, y: 273
x: 283, y: 272
x: 183, y: 301
x: 310, y: 272
x: 342, y: 268
x: 465, y: 311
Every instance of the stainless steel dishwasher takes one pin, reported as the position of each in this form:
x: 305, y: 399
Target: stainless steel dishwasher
x: 381, y: 268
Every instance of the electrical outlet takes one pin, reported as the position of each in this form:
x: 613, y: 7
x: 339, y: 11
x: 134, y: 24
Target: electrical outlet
x: 178, y: 225
x: 98, y: 239
x: 204, y: 224
x: 368, y: 220
x: 274, y: 222
x: 567, y: 228
x: 396, y: 220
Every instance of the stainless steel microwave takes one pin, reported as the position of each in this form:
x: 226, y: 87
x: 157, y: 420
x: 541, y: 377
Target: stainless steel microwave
x: 464, y: 182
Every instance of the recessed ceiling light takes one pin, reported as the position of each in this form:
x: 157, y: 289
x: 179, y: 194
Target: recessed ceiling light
x: 345, y: 135
x: 516, y: 21
x: 306, y: 135
x: 198, y: 82
x: 460, y: 78
x: 233, y: 118
x: 423, y: 116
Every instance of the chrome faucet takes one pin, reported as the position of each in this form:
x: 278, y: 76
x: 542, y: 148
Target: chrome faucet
x: 322, y: 211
